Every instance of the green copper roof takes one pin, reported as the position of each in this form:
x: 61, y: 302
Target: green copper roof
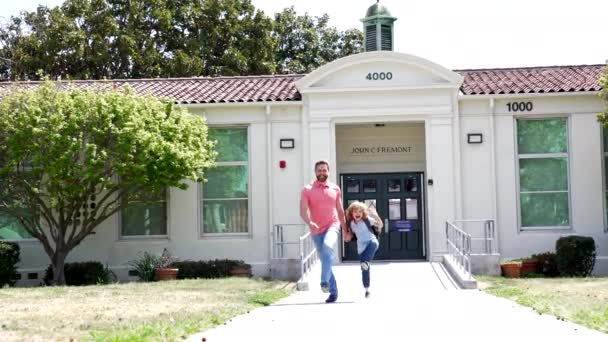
x: 376, y: 9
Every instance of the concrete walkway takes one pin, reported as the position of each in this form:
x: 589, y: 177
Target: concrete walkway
x: 410, y: 301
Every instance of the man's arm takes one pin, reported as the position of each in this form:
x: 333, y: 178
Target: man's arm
x: 340, y: 210
x: 304, y: 212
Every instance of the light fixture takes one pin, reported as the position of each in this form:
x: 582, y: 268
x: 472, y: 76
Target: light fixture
x: 474, y: 138
x: 287, y: 143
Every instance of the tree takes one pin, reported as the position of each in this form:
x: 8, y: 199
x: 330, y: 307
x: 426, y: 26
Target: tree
x: 306, y: 43
x: 603, y: 117
x: 69, y: 158
x: 96, y: 39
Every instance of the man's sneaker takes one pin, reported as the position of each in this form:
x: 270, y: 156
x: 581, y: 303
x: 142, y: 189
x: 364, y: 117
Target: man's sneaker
x: 365, y: 266
x: 324, y: 287
x: 367, y: 294
x: 332, y: 298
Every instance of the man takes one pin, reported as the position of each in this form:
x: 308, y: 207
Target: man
x: 323, y: 200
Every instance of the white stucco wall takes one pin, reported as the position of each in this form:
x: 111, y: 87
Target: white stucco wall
x: 340, y: 107
x: 585, y: 167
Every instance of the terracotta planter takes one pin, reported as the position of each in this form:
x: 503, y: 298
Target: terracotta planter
x: 529, y: 266
x: 165, y: 274
x: 511, y: 270
x: 240, y: 271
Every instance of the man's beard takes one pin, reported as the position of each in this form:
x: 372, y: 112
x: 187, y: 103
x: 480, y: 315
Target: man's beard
x: 321, y: 178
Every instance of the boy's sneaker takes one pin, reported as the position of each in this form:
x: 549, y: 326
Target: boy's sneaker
x: 324, y: 287
x: 367, y: 294
x: 332, y: 298
x: 365, y: 266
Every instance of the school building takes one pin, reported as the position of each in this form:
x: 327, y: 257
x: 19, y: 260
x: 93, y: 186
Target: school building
x: 518, y: 151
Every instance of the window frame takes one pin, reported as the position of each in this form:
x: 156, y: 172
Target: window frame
x: 147, y: 237
x: 26, y: 240
x: 201, y: 196
x: 566, y: 155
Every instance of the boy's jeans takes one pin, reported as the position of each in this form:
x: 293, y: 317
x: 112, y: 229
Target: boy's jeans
x: 367, y: 256
x: 324, y: 243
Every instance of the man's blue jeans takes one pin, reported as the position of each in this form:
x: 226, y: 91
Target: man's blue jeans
x: 368, y: 255
x: 325, y: 243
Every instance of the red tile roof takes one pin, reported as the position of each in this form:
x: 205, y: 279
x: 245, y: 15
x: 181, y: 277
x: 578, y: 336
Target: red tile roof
x: 281, y: 88
x: 202, y: 89
x: 553, y: 79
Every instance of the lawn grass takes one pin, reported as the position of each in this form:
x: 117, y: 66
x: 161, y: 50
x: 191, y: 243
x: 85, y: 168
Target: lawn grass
x: 160, y: 311
x: 580, y: 300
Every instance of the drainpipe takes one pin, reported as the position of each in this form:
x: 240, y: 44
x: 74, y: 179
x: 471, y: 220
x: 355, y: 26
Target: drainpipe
x: 269, y: 184
x: 494, y: 170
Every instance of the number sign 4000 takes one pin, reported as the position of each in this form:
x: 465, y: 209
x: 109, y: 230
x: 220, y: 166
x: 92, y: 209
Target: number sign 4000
x: 375, y: 76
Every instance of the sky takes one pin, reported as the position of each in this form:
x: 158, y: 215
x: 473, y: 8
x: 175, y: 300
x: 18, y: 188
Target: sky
x: 464, y: 34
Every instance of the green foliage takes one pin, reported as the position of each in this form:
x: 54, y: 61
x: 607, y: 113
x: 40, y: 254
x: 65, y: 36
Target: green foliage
x: 83, y: 273
x: 9, y: 257
x: 603, y: 117
x: 305, y: 43
x: 547, y: 264
x: 144, y: 265
x: 62, y: 148
x: 575, y: 255
x: 90, y: 39
x: 218, y: 268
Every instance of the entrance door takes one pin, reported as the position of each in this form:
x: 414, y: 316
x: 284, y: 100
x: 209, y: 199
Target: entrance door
x: 399, y: 200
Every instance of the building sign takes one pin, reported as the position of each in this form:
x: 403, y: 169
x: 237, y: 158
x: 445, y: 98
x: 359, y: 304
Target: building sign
x: 381, y: 149
x: 367, y: 148
x: 401, y: 226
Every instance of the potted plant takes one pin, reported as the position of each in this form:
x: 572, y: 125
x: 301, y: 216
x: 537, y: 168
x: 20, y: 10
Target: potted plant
x: 163, y: 269
x: 511, y: 269
x: 240, y: 269
x: 529, y: 265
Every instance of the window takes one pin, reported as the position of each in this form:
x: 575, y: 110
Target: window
x: 11, y: 228
x: 542, y: 147
x: 145, y: 214
x: 225, y: 195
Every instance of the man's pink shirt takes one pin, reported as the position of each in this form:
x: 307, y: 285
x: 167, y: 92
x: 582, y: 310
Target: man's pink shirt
x: 322, y: 199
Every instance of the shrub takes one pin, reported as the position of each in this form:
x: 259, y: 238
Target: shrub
x: 9, y: 257
x: 144, y: 265
x: 575, y: 255
x: 547, y: 264
x: 83, y: 273
x: 219, y: 268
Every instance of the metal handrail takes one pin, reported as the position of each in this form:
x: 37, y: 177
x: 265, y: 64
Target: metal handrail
x: 306, y: 250
x: 489, y: 232
x: 308, y: 254
x: 458, y: 245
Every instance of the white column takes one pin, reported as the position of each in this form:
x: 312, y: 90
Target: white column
x: 440, y: 165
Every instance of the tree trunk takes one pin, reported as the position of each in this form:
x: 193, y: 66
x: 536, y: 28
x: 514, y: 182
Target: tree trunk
x: 58, y: 267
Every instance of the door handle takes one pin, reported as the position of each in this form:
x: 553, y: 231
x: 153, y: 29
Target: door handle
x: 386, y: 225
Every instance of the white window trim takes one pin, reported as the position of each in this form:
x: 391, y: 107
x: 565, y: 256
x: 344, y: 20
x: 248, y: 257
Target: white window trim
x: 537, y: 229
x: 200, y: 196
x: 146, y: 237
